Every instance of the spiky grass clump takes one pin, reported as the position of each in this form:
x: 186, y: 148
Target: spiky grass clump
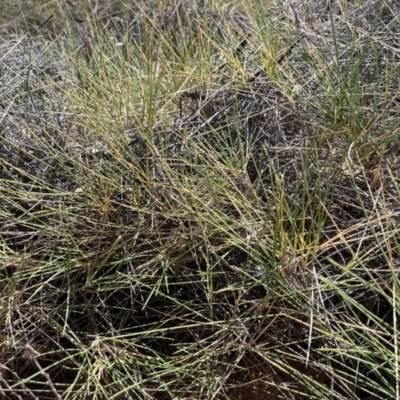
x: 203, y: 205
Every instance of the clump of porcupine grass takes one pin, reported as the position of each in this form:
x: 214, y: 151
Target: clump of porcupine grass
x: 198, y: 203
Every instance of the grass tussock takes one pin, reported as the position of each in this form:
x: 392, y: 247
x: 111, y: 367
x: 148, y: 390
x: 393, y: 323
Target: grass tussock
x: 201, y: 201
